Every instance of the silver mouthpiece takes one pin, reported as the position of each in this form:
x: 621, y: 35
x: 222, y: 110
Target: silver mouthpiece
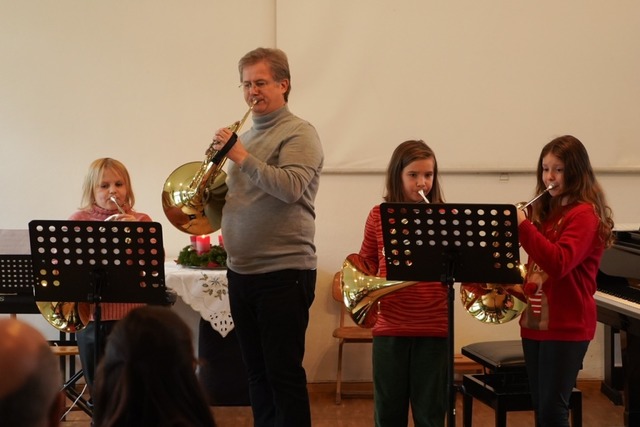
x: 523, y: 205
x: 114, y: 200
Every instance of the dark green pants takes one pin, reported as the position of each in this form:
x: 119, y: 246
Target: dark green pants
x: 410, y: 371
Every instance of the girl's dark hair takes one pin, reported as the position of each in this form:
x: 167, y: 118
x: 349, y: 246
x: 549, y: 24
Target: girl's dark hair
x: 404, y: 154
x: 147, y: 375
x: 580, y: 184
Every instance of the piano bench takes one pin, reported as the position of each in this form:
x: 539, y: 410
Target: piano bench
x: 504, y: 386
x: 490, y: 390
x: 497, y: 356
x: 71, y: 378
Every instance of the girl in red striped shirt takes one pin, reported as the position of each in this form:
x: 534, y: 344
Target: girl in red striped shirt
x: 410, y: 325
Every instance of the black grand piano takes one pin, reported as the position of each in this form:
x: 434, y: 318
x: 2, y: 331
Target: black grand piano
x: 618, y: 302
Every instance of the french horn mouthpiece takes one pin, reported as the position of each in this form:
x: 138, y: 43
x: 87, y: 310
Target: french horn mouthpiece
x: 114, y: 200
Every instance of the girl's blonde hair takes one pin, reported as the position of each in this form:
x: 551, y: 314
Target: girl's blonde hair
x: 94, y: 177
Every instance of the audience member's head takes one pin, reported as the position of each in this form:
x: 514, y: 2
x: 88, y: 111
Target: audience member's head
x: 147, y: 375
x: 30, y: 378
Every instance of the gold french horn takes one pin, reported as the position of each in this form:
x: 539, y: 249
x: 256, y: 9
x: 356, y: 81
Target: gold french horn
x: 361, y: 288
x: 496, y: 303
x: 487, y: 302
x: 493, y: 303
x: 69, y: 317
x: 198, y: 186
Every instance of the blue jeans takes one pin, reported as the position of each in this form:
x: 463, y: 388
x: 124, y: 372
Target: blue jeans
x: 271, y: 313
x: 87, y: 348
x: 552, y: 368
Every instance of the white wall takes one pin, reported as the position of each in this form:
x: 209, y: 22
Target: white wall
x: 148, y: 82
x: 474, y: 76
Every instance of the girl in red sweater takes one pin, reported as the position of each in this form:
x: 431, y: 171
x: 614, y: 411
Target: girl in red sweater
x: 564, y: 234
x: 410, y: 325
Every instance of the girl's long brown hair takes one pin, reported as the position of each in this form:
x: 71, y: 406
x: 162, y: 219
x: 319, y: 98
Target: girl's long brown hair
x: 405, y: 153
x: 580, y: 185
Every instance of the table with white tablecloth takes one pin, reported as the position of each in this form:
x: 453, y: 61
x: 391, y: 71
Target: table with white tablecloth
x: 221, y: 371
x: 205, y: 291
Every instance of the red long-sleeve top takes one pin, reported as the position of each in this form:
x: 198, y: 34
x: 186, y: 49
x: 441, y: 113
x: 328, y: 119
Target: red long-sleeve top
x: 564, y: 257
x: 417, y: 310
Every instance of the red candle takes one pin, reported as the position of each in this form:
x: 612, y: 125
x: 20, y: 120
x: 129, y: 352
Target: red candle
x: 203, y: 244
x: 193, y: 242
x: 220, y: 241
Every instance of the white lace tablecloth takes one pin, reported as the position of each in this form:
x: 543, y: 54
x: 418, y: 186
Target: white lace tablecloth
x: 205, y: 291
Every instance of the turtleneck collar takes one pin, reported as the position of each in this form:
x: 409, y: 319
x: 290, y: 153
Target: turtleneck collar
x: 107, y: 212
x: 268, y: 120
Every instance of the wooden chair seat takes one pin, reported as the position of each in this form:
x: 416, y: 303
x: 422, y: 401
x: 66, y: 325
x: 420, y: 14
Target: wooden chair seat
x: 353, y: 333
x: 65, y: 350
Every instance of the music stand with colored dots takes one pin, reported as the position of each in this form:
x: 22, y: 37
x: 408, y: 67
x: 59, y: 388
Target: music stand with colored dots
x: 16, y: 283
x: 450, y: 243
x: 96, y: 262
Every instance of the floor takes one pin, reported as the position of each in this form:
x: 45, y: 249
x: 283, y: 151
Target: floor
x: 598, y: 411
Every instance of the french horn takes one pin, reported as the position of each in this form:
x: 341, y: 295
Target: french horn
x: 193, y: 194
x: 493, y: 303
x: 69, y: 317
x: 489, y: 303
x: 496, y: 303
x: 361, y: 289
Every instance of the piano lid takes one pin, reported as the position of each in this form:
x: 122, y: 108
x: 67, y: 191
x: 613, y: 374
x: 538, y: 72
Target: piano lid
x: 623, y: 258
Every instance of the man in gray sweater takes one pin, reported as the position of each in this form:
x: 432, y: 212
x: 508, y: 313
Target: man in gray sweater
x: 268, y: 223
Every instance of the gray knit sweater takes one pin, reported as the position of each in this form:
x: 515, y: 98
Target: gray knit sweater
x: 268, y: 220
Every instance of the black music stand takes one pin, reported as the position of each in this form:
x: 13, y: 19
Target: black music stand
x: 95, y: 262
x: 16, y: 283
x: 450, y: 243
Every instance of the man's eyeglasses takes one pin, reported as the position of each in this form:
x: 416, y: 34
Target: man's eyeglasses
x: 259, y: 84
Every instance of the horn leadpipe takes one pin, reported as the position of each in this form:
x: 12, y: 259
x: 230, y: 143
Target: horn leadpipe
x: 523, y: 205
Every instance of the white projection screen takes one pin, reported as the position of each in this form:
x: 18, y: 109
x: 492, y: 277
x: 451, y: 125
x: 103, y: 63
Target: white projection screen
x: 485, y: 83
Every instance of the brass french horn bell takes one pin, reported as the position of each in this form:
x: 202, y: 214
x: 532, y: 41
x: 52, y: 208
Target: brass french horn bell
x: 69, y: 317
x: 198, y: 186
x: 360, y: 290
x: 494, y: 303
